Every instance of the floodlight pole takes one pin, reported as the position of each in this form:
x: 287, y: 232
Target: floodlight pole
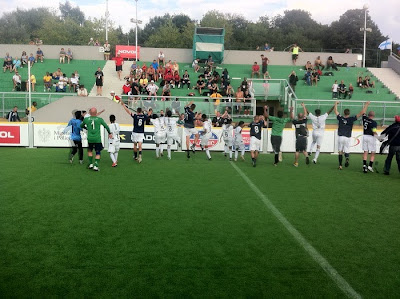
x: 107, y: 20
x: 136, y: 1
x: 365, y: 32
x: 30, y: 126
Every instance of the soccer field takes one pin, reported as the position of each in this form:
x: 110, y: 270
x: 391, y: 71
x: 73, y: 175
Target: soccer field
x: 196, y: 228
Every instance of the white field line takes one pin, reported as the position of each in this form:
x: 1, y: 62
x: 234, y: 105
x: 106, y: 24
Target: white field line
x: 316, y: 256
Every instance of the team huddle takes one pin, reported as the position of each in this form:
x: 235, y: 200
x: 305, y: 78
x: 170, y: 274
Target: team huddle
x: 166, y: 132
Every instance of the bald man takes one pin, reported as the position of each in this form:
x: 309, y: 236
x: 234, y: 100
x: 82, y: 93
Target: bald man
x: 93, y: 125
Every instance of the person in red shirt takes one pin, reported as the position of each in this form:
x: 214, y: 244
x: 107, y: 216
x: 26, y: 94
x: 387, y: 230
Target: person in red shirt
x: 168, y: 78
x: 144, y: 67
x: 177, y: 80
x: 255, y: 70
x: 126, y: 88
x: 119, y: 61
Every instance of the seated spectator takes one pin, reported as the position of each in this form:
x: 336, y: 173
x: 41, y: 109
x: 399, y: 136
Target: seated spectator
x: 318, y: 64
x: 31, y: 109
x: 166, y: 92
x: 245, y: 85
x: 152, y: 89
x: 160, y: 73
x: 143, y: 82
x: 6, y: 58
x: 217, y: 120
x: 225, y: 79
x: 360, y: 81
x: 335, y: 88
x: 39, y: 55
x: 351, y: 90
x: 31, y: 59
x: 16, y: 82
x: 213, y: 87
x: 239, y: 98
x: 47, y: 81
x: 176, y: 80
x: 16, y: 64
x: 195, y: 65
x: 266, y: 75
x: 33, y: 83
x: 185, y: 79
x: 293, y: 80
x: 342, y: 90
x: 144, y: 68
x: 331, y: 64
x: 133, y: 68
x: 255, y: 70
x: 247, y: 102
x: 126, y: 88
x: 8, y: 65
x: 210, y: 63
x: 151, y: 73
x: 62, y: 55
x: 169, y: 65
x: 82, y: 91
x: 61, y: 85
x: 57, y: 74
x: 267, y: 47
x: 368, y: 83
x: 155, y: 64
x: 308, y: 66
x: 73, y: 83
x: 69, y: 55
x: 207, y: 74
x: 24, y: 59
x: 315, y: 77
x: 13, y: 116
x: 175, y: 67
x: 168, y: 78
x: 161, y: 59
x: 229, y: 92
x: 200, y: 84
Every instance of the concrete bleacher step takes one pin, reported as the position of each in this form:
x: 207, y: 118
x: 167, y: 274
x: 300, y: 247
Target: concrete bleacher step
x: 111, y: 81
x: 389, y: 78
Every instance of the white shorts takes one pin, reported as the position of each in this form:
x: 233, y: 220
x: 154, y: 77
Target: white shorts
x: 204, y: 139
x: 228, y: 142
x: 113, y: 147
x: 190, y: 131
x: 160, y: 138
x: 137, y: 137
x: 369, y: 143
x: 239, y: 144
x: 255, y: 144
x: 344, y: 144
x: 171, y: 138
x: 317, y: 137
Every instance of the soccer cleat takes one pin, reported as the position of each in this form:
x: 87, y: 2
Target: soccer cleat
x: 365, y: 169
x: 90, y: 166
x: 235, y: 160
x: 242, y: 157
x: 139, y: 160
x: 161, y: 154
x: 275, y: 164
x: 202, y: 148
x: 209, y: 159
x: 347, y: 162
x: 309, y: 153
x: 307, y: 160
x: 178, y: 143
x: 224, y: 154
x: 314, y: 161
x: 95, y: 168
x: 71, y: 159
x: 280, y: 157
x: 114, y: 165
x: 169, y: 158
x: 386, y: 173
x: 81, y: 162
x: 230, y: 159
x: 340, y: 167
x: 193, y: 148
x: 296, y: 164
x: 370, y: 169
x: 254, y: 163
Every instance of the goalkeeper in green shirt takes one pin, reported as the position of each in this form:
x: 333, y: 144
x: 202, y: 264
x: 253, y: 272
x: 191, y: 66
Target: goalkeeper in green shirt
x: 278, y: 124
x: 93, y: 125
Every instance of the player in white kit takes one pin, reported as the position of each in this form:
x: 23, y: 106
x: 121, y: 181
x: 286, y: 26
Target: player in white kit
x: 172, y: 135
x: 238, y: 141
x: 114, y: 142
x: 206, y: 134
x: 227, y: 135
x: 160, y: 133
x: 318, y: 124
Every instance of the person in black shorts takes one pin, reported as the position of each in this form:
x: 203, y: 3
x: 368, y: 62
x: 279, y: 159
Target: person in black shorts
x: 99, y: 81
x: 301, y: 137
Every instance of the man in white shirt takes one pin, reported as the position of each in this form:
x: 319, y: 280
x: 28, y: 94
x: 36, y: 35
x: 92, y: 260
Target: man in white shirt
x: 172, y: 135
x: 160, y: 133
x: 114, y: 142
x: 318, y: 123
x: 206, y: 134
x: 152, y: 89
x: 16, y: 80
x: 82, y: 91
x: 335, y: 87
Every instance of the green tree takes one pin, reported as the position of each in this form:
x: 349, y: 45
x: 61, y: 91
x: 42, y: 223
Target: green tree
x: 217, y: 19
x: 74, y: 13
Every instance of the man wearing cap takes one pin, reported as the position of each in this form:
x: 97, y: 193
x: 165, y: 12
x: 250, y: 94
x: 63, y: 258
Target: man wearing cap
x: 152, y: 89
x: 115, y: 98
x: 393, y: 134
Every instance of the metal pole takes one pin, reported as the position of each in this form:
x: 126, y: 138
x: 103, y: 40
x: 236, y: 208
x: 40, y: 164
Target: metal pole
x: 107, y: 20
x: 30, y: 126
x: 365, y: 33
x: 136, y: 33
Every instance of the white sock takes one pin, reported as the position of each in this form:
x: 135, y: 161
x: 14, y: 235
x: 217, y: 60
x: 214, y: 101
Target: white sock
x: 169, y: 151
x: 311, y: 147
x: 112, y: 157
x: 230, y: 153
x: 157, y: 152
x: 208, y: 153
x: 225, y: 149
x: 116, y: 156
x: 316, y: 154
x: 161, y: 149
x: 243, y: 152
x: 236, y: 154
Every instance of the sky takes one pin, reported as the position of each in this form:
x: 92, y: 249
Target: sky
x: 385, y: 13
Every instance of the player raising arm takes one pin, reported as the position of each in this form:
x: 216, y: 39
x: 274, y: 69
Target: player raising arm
x: 238, y: 140
x: 255, y: 135
x: 160, y: 134
x: 345, y: 128
x: 171, y: 124
x: 190, y: 129
x: 114, y: 142
x: 206, y: 134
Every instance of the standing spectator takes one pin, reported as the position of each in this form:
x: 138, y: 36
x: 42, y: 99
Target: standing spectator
x: 97, y: 43
x: 264, y: 63
x: 255, y: 70
x: 161, y: 58
x: 24, y: 59
x: 195, y: 65
x: 82, y: 91
x: 293, y: 80
x: 91, y: 42
x: 266, y: 47
x: 16, y: 82
x: 217, y: 120
x: 13, y: 116
x: 99, y: 81
x: 119, y: 61
x: 62, y: 55
x: 335, y: 88
x: 245, y: 85
x: 47, y: 81
x: 114, y: 97
x: 351, y: 90
x: 69, y: 55
x: 126, y: 88
x: 39, y: 55
x: 295, y: 52
x: 107, y: 50
x: 393, y: 133
x: 210, y: 63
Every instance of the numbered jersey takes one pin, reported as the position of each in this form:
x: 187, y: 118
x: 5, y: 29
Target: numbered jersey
x: 189, y: 118
x: 318, y: 122
x: 255, y: 129
x: 93, y: 125
x: 114, y: 128
x: 238, y: 134
x: 369, y: 125
x: 207, y: 127
x: 139, y: 121
x: 170, y: 123
x: 159, y: 126
x: 227, y: 131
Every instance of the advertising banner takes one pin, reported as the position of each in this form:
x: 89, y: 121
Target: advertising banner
x: 14, y: 134
x: 54, y: 135
x: 127, y: 51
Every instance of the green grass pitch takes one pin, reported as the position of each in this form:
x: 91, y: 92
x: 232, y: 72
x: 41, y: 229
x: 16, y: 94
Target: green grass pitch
x: 193, y: 228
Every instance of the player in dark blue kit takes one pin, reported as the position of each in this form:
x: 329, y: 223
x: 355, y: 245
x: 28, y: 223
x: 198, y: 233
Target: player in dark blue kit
x: 255, y: 135
x: 189, y: 126
x: 139, y: 120
x: 369, y: 140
